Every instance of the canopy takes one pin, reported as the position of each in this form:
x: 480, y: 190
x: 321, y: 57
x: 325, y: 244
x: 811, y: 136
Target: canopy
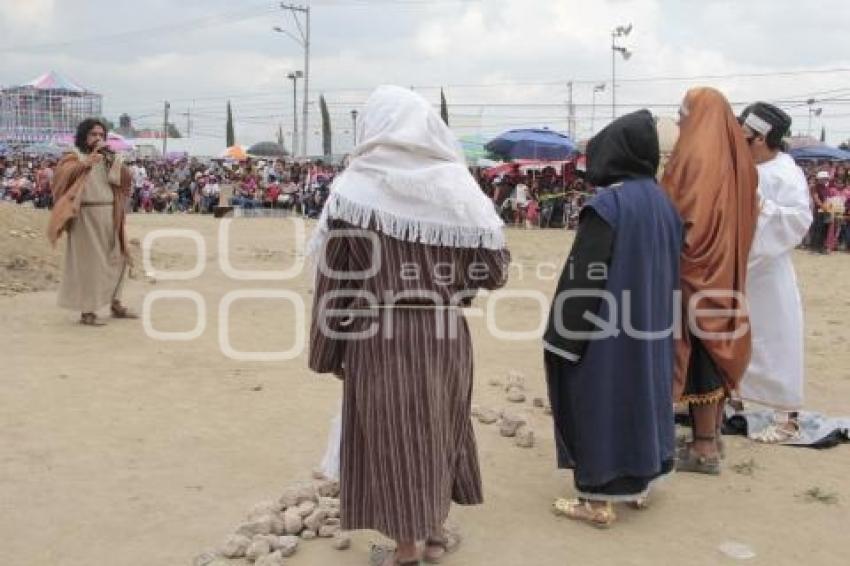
x: 235, y: 152
x: 532, y: 144
x: 268, y: 149
x: 820, y: 152
x: 55, y: 81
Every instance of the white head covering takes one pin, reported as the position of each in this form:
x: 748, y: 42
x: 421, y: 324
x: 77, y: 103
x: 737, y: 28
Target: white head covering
x: 409, y: 176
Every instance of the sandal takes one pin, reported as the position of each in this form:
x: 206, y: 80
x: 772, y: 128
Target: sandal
x: 120, y: 311
x: 778, y: 434
x: 90, y: 319
x: 689, y: 461
x: 683, y: 441
x: 380, y: 555
x: 576, y: 509
x: 640, y: 504
x: 437, y: 549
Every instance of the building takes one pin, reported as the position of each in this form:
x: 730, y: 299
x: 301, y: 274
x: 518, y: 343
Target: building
x: 45, y: 109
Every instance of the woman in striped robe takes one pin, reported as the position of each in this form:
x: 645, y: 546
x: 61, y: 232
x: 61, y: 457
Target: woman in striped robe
x: 404, y: 243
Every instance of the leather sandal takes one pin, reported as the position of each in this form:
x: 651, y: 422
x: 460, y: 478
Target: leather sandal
x: 438, y: 548
x: 120, y: 311
x: 380, y: 555
x: 689, y: 461
x: 90, y: 319
x: 578, y: 510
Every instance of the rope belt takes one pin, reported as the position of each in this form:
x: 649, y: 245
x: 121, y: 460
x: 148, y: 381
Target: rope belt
x: 97, y: 203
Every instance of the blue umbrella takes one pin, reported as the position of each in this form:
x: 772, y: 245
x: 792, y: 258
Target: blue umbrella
x: 544, y: 145
x: 820, y: 152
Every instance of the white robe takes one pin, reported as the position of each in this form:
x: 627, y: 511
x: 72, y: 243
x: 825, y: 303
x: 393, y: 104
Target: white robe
x: 775, y: 375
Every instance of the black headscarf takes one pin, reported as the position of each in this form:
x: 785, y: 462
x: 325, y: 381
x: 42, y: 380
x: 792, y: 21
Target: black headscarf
x: 778, y: 119
x: 626, y: 149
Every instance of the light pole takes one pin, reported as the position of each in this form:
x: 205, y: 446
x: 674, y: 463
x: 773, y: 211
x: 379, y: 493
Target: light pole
x: 813, y: 111
x: 596, y: 88
x: 294, y: 76
x: 619, y: 31
x: 303, y: 39
x: 354, y: 121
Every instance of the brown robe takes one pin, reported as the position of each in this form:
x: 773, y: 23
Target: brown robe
x: 90, y: 208
x: 711, y: 179
x: 408, y: 448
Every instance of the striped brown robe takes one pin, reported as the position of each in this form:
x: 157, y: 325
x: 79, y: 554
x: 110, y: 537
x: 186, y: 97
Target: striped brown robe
x: 408, y: 448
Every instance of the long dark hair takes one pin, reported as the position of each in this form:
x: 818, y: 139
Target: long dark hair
x: 83, y: 130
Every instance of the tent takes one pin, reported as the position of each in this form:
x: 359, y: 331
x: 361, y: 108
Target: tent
x: 234, y: 152
x: 820, y: 152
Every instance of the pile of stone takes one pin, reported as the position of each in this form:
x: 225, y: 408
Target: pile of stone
x: 273, y: 530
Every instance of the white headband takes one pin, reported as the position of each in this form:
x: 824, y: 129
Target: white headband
x: 757, y: 124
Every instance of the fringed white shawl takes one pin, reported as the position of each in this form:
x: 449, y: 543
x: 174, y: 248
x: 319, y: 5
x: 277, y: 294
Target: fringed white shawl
x: 408, y: 176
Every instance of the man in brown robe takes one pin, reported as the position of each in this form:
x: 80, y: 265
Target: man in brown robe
x: 90, y: 189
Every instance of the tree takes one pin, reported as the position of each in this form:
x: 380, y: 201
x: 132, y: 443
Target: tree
x: 845, y: 146
x: 327, y: 147
x: 823, y: 134
x: 444, y: 107
x: 108, y: 123
x: 280, y: 135
x: 173, y: 132
x: 231, y: 137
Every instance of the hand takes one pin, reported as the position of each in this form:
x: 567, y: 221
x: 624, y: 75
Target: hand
x: 94, y: 158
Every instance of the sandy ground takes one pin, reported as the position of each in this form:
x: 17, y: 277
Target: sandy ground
x: 119, y: 449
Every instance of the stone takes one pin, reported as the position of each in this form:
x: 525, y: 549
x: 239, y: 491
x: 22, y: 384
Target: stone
x: 327, y: 488
x: 333, y: 513
x: 516, y: 395
x: 289, y: 497
x: 333, y: 522
x: 318, y: 474
x: 292, y: 521
x: 525, y: 437
x: 306, y: 492
x: 235, y: 546
x: 329, y: 502
x: 258, y: 549
x: 328, y: 531
x: 271, y: 539
x: 515, y: 379
x: 288, y: 545
x: 495, y: 382
x: 258, y: 526
x: 538, y: 403
x: 488, y: 416
x: 307, y: 534
x: 315, y: 520
x: 306, y: 508
x: 266, y: 508
x: 475, y: 411
x: 18, y: 263
x: 510, y: 424
x: 341, y: 541
x: 205, y: 558
x: 273, y: 559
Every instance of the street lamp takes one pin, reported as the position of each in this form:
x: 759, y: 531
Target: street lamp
x: 813, y: 112
x: 302, y: 39
x: 596, y: 88
x: 294, y: 76
x: 619, y: 31
x: 354, y: 121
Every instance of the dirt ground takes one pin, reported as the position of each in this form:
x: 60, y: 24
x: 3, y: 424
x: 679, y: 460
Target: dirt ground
x: 120, y: 449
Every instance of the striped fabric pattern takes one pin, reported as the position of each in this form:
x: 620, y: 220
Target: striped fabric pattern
x: 408, y: 447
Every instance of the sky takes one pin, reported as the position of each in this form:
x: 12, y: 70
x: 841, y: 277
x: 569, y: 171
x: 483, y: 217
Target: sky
x: 502, y: 63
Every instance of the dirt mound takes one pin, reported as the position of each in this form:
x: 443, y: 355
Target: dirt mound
x: 27, y: 261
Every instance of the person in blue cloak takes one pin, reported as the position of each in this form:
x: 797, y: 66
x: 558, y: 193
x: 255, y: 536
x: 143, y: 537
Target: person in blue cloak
x: 609, y: 342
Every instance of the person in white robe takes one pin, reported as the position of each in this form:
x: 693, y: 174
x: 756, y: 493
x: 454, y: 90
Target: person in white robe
x: 775, y: 376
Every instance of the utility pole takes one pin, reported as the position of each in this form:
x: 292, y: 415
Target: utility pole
x: 304, y: 41
x: 189, y: 122
x: 165, y: 128
x: 354, y: 122
x: 294, y: 76
x: 619, y: 31
x: 571, y: 119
